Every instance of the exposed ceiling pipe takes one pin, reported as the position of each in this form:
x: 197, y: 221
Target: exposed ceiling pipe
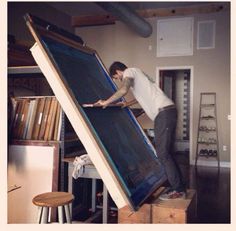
x: 124, y: 13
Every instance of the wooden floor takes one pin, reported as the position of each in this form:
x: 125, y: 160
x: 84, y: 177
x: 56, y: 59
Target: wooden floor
x: 213, y: 190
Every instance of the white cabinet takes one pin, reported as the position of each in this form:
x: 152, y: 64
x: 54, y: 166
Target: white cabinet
x: 31, y: 171
x: 175, y: 37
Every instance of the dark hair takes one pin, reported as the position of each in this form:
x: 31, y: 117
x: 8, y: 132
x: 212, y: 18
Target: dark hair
x: 116, y: 66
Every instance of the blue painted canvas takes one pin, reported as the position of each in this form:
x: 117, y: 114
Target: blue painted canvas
x: 124, y: 145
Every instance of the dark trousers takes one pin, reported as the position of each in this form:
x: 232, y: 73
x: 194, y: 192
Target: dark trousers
x: 164, y: 129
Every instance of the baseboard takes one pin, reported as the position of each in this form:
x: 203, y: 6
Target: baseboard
x: 213, y: 163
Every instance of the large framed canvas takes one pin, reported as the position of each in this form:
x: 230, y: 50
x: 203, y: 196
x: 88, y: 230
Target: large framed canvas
x: 113, y: 139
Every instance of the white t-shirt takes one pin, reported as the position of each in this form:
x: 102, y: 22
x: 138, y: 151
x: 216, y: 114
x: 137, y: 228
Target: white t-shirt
x: 147, y: 93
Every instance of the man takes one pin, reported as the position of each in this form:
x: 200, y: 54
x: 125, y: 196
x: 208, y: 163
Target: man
x: 161, y: 110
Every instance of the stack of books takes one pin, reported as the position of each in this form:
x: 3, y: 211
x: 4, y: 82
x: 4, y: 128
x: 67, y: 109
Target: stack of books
x: 36, y: 118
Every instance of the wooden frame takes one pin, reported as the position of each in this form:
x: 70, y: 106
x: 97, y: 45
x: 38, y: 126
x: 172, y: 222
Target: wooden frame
x: 98, y: 153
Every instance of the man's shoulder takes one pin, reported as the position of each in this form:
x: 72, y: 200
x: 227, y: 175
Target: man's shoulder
x: 131, y: 71
x: 134, y: 68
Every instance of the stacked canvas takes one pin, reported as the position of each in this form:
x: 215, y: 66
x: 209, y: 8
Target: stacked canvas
x: 36, y: 118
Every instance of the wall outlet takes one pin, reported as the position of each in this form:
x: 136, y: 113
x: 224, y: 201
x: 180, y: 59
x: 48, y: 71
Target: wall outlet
x: 229, y: 117
x: 224, y: 148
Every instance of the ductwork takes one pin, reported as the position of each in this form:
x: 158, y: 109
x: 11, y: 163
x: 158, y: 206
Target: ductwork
x: 124, y: 13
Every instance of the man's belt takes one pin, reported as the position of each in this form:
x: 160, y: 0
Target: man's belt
x: 166, y: 108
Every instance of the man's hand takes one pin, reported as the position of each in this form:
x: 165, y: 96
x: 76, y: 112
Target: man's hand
x: 128, y: 82
x: 123, y: 104
x: 102, y: 103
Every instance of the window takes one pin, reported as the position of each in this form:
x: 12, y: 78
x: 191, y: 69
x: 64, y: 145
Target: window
x: 206, y: 34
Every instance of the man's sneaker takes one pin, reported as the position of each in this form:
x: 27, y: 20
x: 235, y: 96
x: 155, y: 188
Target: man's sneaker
x: 171, y: 194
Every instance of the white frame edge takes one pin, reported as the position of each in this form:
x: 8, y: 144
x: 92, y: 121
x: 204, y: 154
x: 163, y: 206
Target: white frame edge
x: 80, y: 127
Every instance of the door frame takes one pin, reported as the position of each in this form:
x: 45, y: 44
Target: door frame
x: 191, y: 68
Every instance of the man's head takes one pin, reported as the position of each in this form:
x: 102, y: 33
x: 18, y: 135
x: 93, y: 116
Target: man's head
x: 116, y: 70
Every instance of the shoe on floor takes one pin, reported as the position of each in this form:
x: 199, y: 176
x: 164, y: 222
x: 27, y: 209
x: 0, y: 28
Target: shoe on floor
x: 171, y: 194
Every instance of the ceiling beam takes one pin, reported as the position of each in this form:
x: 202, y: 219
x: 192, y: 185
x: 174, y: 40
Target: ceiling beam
x: 178, y: 11
x: 92, y: 20
x: 96, y: 20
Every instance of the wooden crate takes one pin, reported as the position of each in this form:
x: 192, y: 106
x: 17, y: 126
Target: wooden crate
x: 142, y: 216
x: 166, y: 212
x: 175, y: 211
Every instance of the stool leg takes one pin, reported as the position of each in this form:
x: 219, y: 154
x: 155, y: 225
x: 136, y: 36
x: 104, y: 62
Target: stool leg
x: 49, y: 214
x: 45, y: 216
x: 68, y: 216
x: 60, y: 214
x: 40, y: 209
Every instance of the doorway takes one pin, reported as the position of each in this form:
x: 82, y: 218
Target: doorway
x: 176, y: 83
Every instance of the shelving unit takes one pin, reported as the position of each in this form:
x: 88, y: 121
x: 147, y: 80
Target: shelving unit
x: 70, y: 146
x: 207, y: 138
x: 67, y: 143
x: 25, y: 79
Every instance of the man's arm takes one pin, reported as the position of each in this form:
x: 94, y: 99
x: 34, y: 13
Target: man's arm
x: 132, y: 102
x: 127, y: 83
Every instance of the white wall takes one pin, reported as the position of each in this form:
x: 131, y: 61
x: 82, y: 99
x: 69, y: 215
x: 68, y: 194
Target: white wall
x: 117, y: 42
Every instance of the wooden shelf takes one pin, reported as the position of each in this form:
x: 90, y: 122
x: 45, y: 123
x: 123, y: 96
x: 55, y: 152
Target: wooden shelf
x: 208, y: 141
x: 208, y: 105
x: 23, y: 70
x: 35, y: 142
x: 207, y: 118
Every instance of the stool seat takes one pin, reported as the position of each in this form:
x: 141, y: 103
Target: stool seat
x: 53, y: 199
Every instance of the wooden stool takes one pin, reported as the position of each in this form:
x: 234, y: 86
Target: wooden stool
x: 51, y: 200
